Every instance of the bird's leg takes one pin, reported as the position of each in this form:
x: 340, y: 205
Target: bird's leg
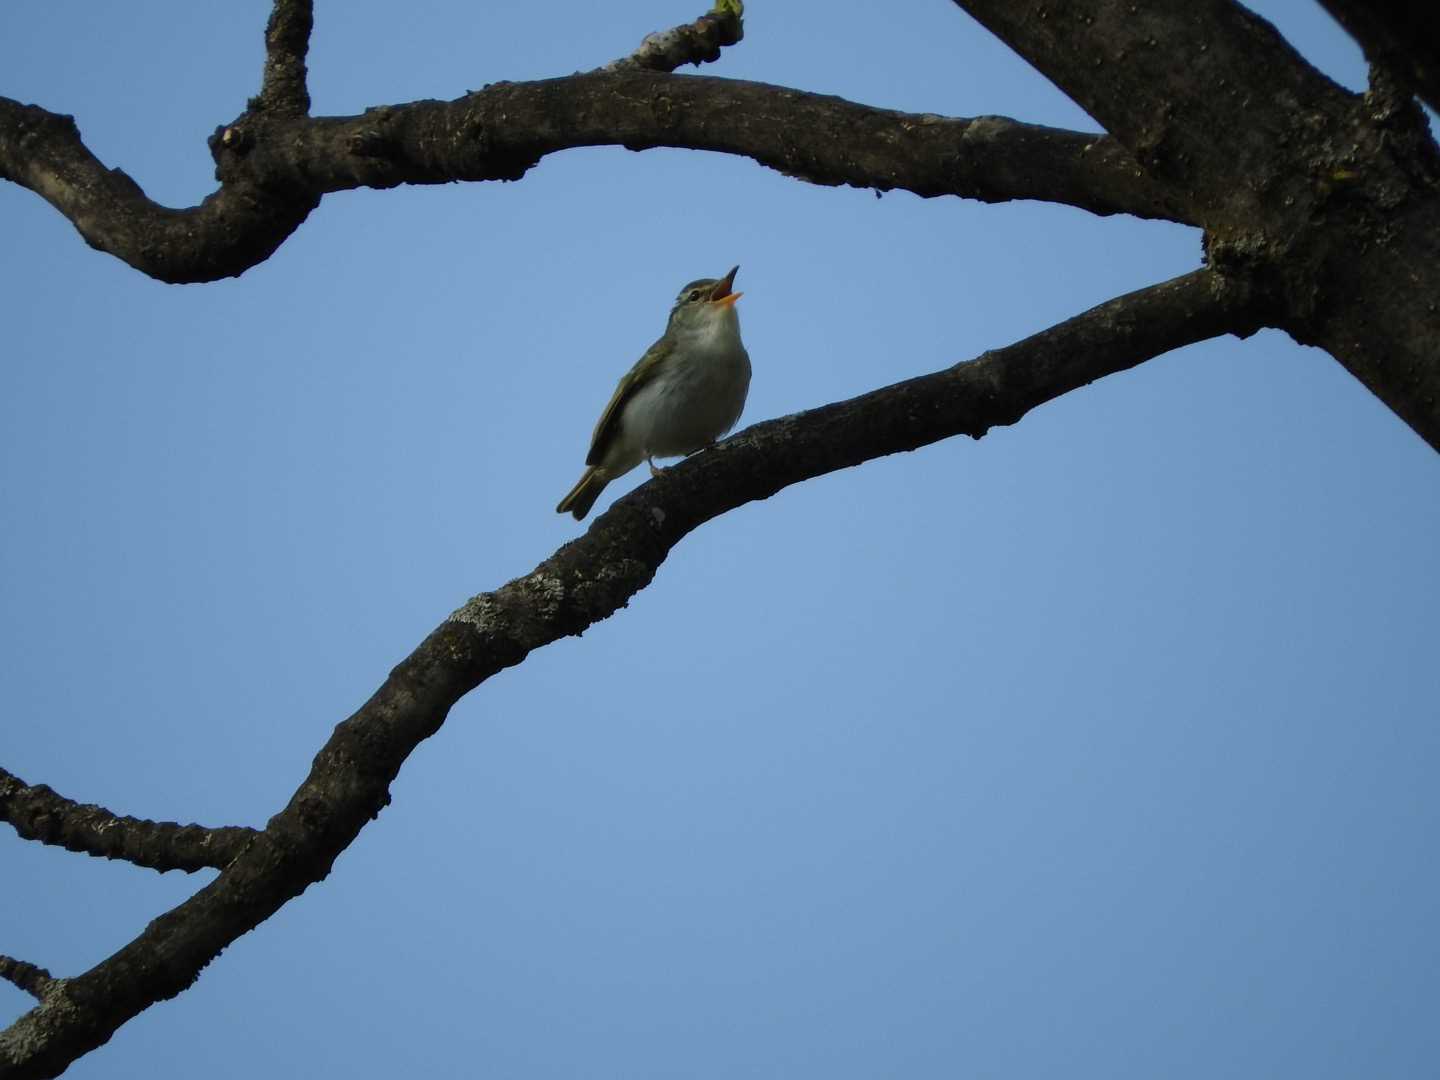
x: 656, y: 470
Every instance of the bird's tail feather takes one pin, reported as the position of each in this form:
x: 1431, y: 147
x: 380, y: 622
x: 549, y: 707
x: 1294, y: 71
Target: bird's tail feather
x: 583, y: 495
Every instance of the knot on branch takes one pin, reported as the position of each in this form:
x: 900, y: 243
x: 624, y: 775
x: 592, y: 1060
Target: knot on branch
x: 230, y: 139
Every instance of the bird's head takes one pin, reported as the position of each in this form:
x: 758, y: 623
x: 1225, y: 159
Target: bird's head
x: 704, y: 301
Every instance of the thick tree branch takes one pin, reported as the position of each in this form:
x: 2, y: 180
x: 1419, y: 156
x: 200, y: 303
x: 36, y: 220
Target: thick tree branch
x: 237, y: 227
x: 695, y: 43
x: 1399, y: 35
x: 283, y: 88
x: 274, y: 169
x: 35, y: 981
x: 585, y: 581
x: 1204, y: 93
x: 38, y: 813
x: 1332, y: 199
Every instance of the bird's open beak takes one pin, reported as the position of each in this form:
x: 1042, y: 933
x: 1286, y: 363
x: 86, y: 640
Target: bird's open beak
x: 721, y: 295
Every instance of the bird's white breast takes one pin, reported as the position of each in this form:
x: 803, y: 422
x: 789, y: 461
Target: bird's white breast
x: 696, y: 398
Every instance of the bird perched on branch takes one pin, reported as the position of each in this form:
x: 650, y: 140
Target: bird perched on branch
x: 685, y: 392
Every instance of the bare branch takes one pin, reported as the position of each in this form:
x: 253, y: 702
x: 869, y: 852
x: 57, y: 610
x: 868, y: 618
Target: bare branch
x: 695, y: 43
x: 1398, y: 35
x: 275, y: 169
x: 35, y: 981
x: 1210, y: 125
x: 586, y: 581
x: 283, y: 88
x: 38, y: 813
x: 1333, y: 200
x: 237, y: 227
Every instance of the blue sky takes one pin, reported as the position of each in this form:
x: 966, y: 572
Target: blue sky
x: 1102, y: 747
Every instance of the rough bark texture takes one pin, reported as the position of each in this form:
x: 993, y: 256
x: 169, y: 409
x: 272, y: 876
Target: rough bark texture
x: 283, y: 88
x: 35, y: 981
x: 696, y: 43
x: 274, y: 168
x: 1330, y: 198
x: 38, y: 813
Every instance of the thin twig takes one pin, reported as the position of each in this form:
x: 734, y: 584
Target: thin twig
x: 37, y: 813
x: 697, y: 43
x: 35, y: 981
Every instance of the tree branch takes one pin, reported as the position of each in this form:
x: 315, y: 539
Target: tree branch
x: 237, y: 227
x: 585, y: 581
x: 1211, y: 126
x: 35, y: 981
x: 274, y: 169
x: 1399, y: 35
x: 1330, y: 199
x: 695, y: 43
x: 283, y: 88
x: 38, y: 813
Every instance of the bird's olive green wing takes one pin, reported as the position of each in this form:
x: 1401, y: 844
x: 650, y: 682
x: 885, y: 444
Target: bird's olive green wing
x: 643, y: 372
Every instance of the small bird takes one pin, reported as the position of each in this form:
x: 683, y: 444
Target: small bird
x: 685, y: 392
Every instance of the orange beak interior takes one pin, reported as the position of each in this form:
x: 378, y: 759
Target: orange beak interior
x: 721, y: 293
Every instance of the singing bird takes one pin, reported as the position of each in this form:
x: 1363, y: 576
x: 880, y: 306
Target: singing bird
x: 685, y: 392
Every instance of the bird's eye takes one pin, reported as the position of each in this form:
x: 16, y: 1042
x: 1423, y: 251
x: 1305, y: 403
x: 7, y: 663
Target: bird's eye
x: 694, y: 295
